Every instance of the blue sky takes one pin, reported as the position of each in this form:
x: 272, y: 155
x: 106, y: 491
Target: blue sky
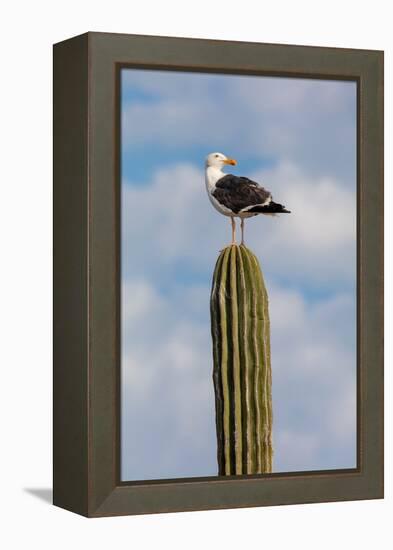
x: 297, y: 137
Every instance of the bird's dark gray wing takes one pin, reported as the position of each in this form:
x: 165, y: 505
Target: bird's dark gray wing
x: 239, y: 193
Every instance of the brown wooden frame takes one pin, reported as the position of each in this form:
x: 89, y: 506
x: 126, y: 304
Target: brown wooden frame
x: 86, y: 274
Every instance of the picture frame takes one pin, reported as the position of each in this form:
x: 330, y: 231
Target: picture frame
x: 86, y: 386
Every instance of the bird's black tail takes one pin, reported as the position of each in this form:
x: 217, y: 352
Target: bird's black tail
x: 271, y: 208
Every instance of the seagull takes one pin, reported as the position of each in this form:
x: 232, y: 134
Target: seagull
x: 237, y: 197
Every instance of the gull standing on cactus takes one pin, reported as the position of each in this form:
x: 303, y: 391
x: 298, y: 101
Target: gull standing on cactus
x: 235, y: 196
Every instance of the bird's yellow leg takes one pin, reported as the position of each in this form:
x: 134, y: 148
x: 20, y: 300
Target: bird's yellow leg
x: 242, y: 229
x: 233, y: 230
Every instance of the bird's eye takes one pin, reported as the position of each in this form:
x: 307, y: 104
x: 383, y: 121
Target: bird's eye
x: 217, y: 156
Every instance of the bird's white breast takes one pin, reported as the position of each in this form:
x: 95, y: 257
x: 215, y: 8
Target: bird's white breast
x: 212, y: 175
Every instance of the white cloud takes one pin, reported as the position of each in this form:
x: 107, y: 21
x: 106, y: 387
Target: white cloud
x: 309, y: 122
x: 165, y: 213
x: 167, y: 391
x: 314, y: 383
x: 317, y: 240
x: 299, y: 450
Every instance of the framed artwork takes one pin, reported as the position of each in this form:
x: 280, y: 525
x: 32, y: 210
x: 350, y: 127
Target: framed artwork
x: 218, y: 274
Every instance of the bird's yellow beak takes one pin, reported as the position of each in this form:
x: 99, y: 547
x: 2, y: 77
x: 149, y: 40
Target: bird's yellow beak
x: 232, y: 162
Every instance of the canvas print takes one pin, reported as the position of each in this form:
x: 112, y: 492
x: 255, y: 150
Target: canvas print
x: 238, y: 274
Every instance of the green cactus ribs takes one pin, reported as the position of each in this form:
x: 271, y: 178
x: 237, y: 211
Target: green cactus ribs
x: 242, y: 377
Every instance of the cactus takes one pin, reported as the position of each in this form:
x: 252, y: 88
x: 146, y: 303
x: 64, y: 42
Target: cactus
x: 240, y: 329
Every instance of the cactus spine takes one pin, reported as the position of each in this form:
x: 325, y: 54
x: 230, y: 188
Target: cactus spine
x: 242, y: 371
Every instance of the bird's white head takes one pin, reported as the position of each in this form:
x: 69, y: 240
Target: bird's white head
x: 218, y: 160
